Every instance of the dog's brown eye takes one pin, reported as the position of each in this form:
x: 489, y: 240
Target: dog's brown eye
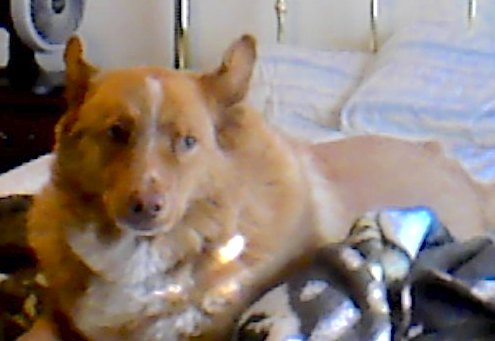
x: 119, y: 133
x: 186, y: 143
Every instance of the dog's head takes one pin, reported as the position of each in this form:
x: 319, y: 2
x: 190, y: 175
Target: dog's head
x: 145, y: 140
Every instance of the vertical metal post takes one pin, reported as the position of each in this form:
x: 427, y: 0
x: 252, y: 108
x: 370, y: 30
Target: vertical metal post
x: 374, y: 25
x: 472, y: 11
x: 281, y: 10
x: 181, y: 33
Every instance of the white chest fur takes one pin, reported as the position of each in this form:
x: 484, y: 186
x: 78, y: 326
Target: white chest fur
x: 132, y: 281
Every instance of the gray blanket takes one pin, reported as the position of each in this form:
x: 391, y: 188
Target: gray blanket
x: 399, y: 275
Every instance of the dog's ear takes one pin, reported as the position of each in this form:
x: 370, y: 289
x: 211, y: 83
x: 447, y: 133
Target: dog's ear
x: 78, y: 72
x: 229, y: 83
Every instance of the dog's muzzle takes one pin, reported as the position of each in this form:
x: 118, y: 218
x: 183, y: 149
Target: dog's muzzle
x: 143, y: 212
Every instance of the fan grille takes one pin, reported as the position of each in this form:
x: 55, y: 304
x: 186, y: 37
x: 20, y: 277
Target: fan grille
x: 56, y: 20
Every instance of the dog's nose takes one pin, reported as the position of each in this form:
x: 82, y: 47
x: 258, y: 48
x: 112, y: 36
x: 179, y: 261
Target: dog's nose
x: 139, y: 206
x: 143, y: 208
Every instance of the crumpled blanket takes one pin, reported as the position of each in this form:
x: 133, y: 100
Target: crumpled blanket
x: 399, y: 275
x: 20, y: 283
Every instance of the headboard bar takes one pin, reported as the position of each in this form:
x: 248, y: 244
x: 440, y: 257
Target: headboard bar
x: 181, y: 33
x: 472, y: 11
x: 373, y: 25
x: 281, y: 11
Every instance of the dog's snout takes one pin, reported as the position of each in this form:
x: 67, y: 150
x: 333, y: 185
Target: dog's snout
x: 145, y: 205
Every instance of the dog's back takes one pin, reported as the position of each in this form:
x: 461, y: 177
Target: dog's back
x: 372, y: 172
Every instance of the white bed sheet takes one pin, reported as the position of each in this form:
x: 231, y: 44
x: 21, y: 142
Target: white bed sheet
x: 302, y: 90
x: 28, y: 178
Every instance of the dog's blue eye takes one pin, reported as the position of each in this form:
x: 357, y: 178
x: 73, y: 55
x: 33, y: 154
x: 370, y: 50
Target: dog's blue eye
x: 118, y: 133
x: 189, y: 141
x: 185, y: 144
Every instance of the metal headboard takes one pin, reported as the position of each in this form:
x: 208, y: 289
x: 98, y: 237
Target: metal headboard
x: 181, y: 33
x: 183, y: 18
x: 472, y: 11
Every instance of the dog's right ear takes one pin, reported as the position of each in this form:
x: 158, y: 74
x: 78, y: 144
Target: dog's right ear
x: 78, y: 72
x: 229, y: 83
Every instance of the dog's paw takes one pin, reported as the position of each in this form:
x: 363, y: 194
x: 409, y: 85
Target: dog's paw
x: 190, y: 322
x: 221, y: 297
x: 213, y: 304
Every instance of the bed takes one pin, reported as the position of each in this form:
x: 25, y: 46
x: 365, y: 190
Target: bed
x: 427, y: 79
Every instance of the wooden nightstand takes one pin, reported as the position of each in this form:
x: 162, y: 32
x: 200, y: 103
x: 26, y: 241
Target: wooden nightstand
x: 27, y: 123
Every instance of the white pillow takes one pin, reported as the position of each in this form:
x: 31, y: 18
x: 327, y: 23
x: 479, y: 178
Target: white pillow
x: 430, y: 81
x: 296, y: 83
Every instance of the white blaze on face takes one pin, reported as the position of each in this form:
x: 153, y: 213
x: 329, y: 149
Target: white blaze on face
x: 155, y: 92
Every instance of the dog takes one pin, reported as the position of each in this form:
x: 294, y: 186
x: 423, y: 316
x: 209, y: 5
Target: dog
x: 172, y: 204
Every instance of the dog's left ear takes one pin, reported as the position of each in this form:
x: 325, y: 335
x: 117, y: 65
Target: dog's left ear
x: 229, y: 83
x: 78, y: 72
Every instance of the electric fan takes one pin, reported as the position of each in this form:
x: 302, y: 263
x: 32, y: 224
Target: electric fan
x: 36, y: 26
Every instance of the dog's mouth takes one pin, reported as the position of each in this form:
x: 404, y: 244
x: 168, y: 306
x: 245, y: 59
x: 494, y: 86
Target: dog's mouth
x: 144, y: 228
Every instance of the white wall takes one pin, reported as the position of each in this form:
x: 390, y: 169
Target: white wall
x: 119, y: 33
x: 127, y: 32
